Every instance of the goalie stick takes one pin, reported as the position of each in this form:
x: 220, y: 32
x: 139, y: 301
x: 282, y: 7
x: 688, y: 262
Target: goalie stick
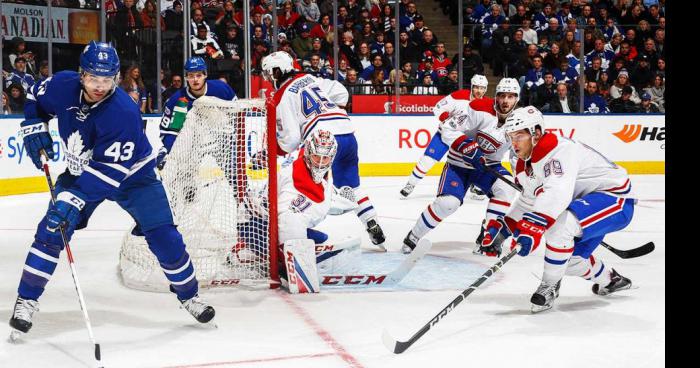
x: 624, y: 254
x: 392, y: 278
x: 398, y: 347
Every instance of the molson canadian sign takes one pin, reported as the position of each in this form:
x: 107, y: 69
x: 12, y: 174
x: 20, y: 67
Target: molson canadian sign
x: 77, y: 26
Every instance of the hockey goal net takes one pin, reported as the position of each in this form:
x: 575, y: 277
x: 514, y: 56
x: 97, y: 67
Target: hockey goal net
x: 218, y: 178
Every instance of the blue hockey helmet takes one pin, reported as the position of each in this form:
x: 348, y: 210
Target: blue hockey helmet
x: 100, y: 59
x: 195, y: 64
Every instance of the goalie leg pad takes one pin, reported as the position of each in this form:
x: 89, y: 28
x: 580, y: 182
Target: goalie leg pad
x: 340, y: 258
x: 300, y: 263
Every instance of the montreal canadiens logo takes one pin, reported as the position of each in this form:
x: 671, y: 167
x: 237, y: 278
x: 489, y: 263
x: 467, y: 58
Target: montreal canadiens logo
x: 487, y: 143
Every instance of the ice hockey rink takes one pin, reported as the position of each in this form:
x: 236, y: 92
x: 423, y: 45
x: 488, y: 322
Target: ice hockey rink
x: 343, y: 327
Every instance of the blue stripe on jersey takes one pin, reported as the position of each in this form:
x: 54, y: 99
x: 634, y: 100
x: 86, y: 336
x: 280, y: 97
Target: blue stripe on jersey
x: 312, y: 126
x: 554, y: 261
x: 601, y: 271
x: 425, y: 221
x: 365, y: 210
x: 496, y: 213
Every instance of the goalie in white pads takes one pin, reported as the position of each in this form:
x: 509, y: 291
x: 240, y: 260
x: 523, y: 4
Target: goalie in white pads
x: 476, y: 139
x: 572, y: 195
x: 302, y: 107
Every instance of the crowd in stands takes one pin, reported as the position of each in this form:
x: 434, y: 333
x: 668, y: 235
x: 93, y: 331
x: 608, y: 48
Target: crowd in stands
x: 543, y: 43
x: 539, y: 42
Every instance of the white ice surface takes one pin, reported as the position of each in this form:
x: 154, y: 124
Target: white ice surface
x: 342, y: 328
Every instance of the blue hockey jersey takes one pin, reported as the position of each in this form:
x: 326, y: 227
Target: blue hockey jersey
x: 181, y: 102
x: 105, y: 143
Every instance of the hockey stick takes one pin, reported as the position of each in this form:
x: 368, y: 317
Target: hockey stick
x: 398, y: 347
x: 624, y: 254
x: 392, y: 278
x: 83, y: 307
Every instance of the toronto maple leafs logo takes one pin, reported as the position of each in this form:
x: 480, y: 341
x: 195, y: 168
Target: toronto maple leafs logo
x: 75, y: 157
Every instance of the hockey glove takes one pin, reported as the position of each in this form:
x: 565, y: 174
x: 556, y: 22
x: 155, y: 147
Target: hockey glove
x: 496, y: 232
x: 35, y: 134
x: 470, y: 151
x: 65, y: 212
x: 528, y: 233
x: 160, y: 160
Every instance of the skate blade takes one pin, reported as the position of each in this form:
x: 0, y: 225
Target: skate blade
x: 15, y: 336
x: 539, y: 308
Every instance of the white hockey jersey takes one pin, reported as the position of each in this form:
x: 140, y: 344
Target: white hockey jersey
x: 302, y: 106
x: 302, y: 203
x: 477, y: 120
x: 561, y: 170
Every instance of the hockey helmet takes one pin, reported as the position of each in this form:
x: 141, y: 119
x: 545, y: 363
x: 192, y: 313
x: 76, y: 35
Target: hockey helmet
x: 320, y: 149
x: 195, y: 64
x: 528, y: 117
x: 99, y: 59
x: 277, y: 60
x: 507, y: 85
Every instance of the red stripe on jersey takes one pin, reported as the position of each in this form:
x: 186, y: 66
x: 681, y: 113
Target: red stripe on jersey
x: 462, y: 94
x: 502, y: 203
x: 587, y: 273
x: 539, y: 191
x: 323, y: 115
x: 560, y: 250
x: 606, y: 212
x: 278, y: 95
x: 419, y: 170
x: 443, y: 116
x: 433, y: 215
x: 483, y: 104
x: 623, y: 186
x: 592, y: 259
x: 365, y: 199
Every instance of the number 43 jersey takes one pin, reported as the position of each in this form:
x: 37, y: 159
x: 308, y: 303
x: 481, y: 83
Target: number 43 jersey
x: 302, y: 106
x: 104, y: 143
x: 560, y: 170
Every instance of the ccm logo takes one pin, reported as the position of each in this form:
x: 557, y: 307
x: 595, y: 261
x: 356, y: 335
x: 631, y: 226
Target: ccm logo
x: 353, y: 280
x: 420, y: 139
x: 225, y: 282
x: 291, y: 274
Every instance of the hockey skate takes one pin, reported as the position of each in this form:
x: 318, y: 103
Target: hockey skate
x: 376, y: 234
x: 409, y: 243
x: 476, y: 194
x: 407, y: 190
x: 480, y: 238
x: 199, y: 309
x: 544, y: 297
x: 617, y: 283
x: 21, y: 320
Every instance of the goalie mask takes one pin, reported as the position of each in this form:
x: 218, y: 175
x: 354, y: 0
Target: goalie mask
x: 319, y: 151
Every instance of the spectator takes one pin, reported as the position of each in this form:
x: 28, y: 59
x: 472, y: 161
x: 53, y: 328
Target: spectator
x: 586, y: 12
x: 376, y: 84
x: 348, y: 51
x: 126, y: 22
x: 315, y: 67
x: 367, y: 34
x: 593, y: 102
x: 554, y: 57
x: 529, y: 34
x: 149, y: 15
x: 225, y: 19
x: 378, y: 44
x: 649, y: 52
x: 16, y: 98
x: 611, y: 30
x: 648, y: 106
x: 176, y: 84
x: 389, y: 56
x: 427, y: 88
x: 621, y: 82
x: 542, y: 19
x: 407, y: 76
x: 553, y: 31
x: 471, y: 63
x: 174, y: 17
x: 418, y: 28
x: 526, y: 62
x: 364, y: 56
x: 323, y: 30
x: 490, y: 24
x: 543, y: 47
x: 657, y: 92
x: 563, y: 102
x: 644, y: 31
x: 450, y: 83
x: 6, y: 110
x: 545, y: 92
x: 511, y: 54
x: 285, y: 46
x: 288, y: 19
x: 43, y: 71
x: 351, y: 82
x: 441, y: 63
x: 303, y: 45
x: 501, y: 38
x: 604, y: 85
x: 599, y: 51
x: 592, y: 27
x: 565, y: 74
x: 535, y: 76
x: 342, y: 69
x: 308, y: 10
x: 20, y: 76
x: 409, y: 16
x: 428, y: 42
x: 480, y: 10
x: 204, y: 46
x: 660, y: 40
x: 426, y: 67
x: 260, y: 50
x: 198, y: 21
x: 508, y: 9
x: 593, y: 73
x: 408, y: 50
x: 377, y: 64
x: 661, y: 67
x: 642, y: 75
x: 519, y: 18
x: 624, y: 103
x: 403, y: 82
x: 564, y: 13
x: 617, y: 66
x: 317, y: 49
x: 572, y: 26
x: 20, y: 50
x: 631, y: 37
x: 134, y: 87
x: 384, y: 20
x: 232, y: 44
x: 614, y: 44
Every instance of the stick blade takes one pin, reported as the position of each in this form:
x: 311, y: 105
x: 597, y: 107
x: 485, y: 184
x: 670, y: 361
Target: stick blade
x: 406, y: 266
x: 389, y: 342
x: 643, y: 250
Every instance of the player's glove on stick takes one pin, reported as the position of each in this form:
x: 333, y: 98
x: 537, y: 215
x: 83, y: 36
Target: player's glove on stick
x: 160, y: 160
x: 528, y: 233
x: 35, y: 134
x: 471, y: 153
x: 65, y: 211
x: 497, y: 231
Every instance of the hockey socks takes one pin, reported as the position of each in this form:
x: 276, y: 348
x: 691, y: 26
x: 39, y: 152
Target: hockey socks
x: 433, y: 215
x: 590, y: 268
x: 38, y: 267
x: 421, y: 169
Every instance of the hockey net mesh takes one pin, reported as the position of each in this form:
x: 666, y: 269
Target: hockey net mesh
x: 216, y: 176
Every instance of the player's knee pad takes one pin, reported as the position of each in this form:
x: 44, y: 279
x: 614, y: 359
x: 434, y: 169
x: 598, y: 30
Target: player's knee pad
x: 317, y: 236
x: 166, y: 243
x: 565, y: 229
x: 445, y: 205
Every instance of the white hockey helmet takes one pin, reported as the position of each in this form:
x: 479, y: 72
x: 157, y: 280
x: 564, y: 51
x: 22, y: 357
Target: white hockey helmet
x: 278, y: 59
x: 507, y: 85
x: 319, y: 151
x: 528, y: 117
x: 478, y: 80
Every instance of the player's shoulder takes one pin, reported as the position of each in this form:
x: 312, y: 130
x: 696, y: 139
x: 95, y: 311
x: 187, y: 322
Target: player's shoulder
x: 66, y: 76
x: 546, y: 145
x: 61, y: 83
x: 462, y: 94
x: 218, y: 86
x: 483, y: 104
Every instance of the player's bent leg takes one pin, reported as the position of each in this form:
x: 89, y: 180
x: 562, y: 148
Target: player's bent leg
x: 430, y: 218
x: 433, y: 153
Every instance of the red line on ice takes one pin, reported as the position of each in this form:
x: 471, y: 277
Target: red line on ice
x: 249, y: 361
x: 320, y: 331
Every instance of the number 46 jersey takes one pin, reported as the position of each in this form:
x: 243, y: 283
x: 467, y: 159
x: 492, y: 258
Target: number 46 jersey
x: 302, y: 106
x: 104, y: 143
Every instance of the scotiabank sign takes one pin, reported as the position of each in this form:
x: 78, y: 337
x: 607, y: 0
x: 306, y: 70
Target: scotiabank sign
x: 381, y: 104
